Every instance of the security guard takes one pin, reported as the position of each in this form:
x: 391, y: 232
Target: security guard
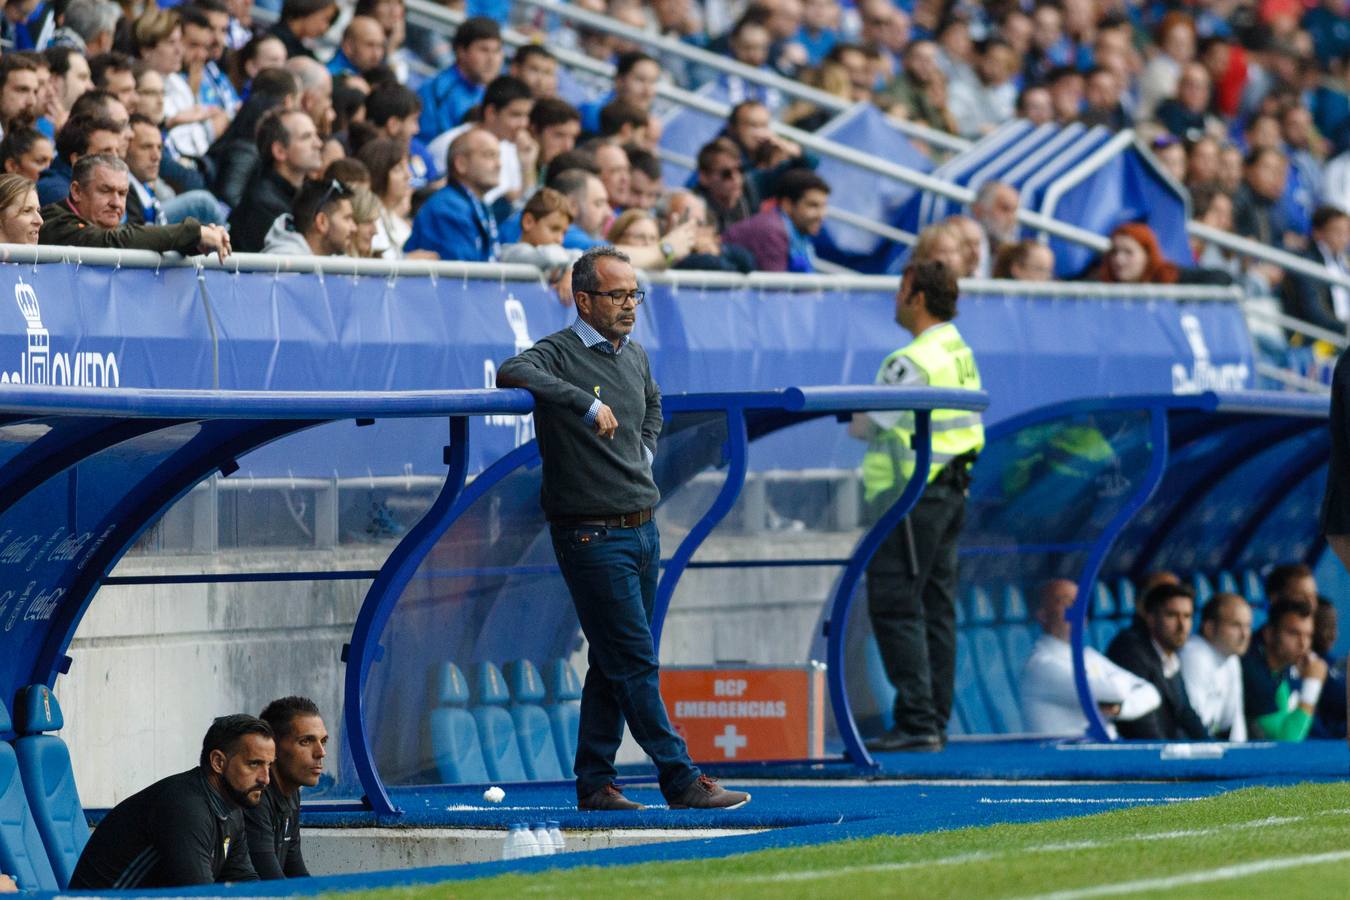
x: 912, y: 579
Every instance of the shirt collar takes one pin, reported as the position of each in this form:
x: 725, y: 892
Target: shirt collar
x: 1171, y: 663
x: 592, y: 338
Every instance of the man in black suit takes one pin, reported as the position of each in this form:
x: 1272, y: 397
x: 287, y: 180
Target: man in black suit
x: 1309, y: 299
x: 1150, y: 649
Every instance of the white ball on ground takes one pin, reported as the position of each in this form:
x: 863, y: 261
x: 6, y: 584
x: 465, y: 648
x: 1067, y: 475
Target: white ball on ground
x: 494, y: 794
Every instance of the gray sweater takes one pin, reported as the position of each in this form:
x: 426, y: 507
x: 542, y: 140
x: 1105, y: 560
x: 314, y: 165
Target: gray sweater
x: 585, y: 474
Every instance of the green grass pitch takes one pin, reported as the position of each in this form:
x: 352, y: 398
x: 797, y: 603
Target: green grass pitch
x: 1260, y: 842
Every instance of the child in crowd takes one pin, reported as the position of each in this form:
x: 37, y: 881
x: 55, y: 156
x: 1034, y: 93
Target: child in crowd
x: 543, y: 222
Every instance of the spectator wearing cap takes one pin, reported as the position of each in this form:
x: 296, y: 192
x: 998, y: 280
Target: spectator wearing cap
x: 362, y: 48
x: 303, y: 21
x: 291, y: 151
x: 505, y: 112
x: 780, y: 238
x: 455, y: 222
x: 320, y: 222
x: 635, y: 77
x: 1313, y: 300
x: 448, y: 98
x: 1211, y: 665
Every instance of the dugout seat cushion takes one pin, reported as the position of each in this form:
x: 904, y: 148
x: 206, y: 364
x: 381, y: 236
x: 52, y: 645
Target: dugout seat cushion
x: 49, y: 780
x: 563, y: 689
x: 22, y: 855
x: 496, y: 729
x: 455, y: 749
x: 533, y: 732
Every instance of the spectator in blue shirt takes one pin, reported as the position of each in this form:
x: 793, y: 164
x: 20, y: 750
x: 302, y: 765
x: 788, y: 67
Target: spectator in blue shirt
x: 362, y: 48
x: 448, y: 98
x: 455, y: 223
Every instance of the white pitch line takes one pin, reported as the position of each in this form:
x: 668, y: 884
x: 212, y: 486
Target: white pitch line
x: 1224, y: 873
x: 987, y: 856
x: 1086, y: 800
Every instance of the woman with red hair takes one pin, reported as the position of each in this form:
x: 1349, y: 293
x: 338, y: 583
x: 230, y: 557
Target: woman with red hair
x: 1135, y: 258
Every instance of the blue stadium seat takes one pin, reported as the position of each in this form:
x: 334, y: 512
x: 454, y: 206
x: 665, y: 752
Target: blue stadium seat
x: 22, y: 855
x: 496, y: 730
x: 1203, y: 589
x: 998, y: 689
x: 1103, y: 602
x: 1253, y: 586
x: 49, y: 780
x: 537, y: 753
x: 1125, y: 599
x: 1101, y: 632
x: 981, y: 602
x: 1014, y: 604
x: 1227, y: 582
x: 1018, y: 641
x: 564, y: 712
x: 454, y: 736
x: 969, y: 699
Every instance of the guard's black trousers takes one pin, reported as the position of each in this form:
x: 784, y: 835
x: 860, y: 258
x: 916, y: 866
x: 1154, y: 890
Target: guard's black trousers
x: 911, y: 595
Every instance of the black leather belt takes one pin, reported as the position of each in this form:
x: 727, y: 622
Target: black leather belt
x: 625, y: 520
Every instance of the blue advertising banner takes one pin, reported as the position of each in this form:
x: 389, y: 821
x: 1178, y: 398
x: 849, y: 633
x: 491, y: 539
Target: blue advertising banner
x: 84, y: 325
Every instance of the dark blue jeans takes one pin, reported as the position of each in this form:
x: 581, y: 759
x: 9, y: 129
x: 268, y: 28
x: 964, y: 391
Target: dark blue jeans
x: 612, y: 573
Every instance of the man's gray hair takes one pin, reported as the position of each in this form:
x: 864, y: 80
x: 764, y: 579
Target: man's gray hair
x: 584, y: 275
x: 311, y: 72
x: 90, y: 18
x: 985, y: 195
x: 85, y: 166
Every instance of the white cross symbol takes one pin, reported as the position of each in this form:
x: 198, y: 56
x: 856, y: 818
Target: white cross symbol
x: 730, y: 741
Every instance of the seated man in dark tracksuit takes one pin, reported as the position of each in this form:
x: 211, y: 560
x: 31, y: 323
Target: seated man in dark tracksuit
x: 274, y: 824
x: 188, y: 828
x: 1150, y: 648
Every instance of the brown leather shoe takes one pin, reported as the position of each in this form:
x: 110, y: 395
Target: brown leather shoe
x: 706, y: 793
x: 608, y: 799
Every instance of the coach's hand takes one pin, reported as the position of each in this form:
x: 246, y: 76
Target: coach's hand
x: 605, y: 423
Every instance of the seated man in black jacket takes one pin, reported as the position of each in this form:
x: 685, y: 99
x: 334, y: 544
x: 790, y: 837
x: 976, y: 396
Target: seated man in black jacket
x: 1312, y: 300
x: 291, y: 149
x: 274, y: 824
x: 92, y: 216
x: 188, y: 828
x: 1150, y: 648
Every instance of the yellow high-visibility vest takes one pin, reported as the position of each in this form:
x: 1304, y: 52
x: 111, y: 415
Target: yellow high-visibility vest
x: 938, y: 357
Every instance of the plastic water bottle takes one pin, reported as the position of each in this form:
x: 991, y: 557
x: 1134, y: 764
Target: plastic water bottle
x: 529, y: 846
x: 554, y: 832
x: 511, y: 847
x: 542, y: 839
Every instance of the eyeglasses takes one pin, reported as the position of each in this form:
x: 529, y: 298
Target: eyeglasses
x: 619, y: 298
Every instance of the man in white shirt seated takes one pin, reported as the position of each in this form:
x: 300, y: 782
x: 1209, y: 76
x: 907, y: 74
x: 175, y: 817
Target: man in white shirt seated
x: 1211, y: 665
x: 1049, y: 697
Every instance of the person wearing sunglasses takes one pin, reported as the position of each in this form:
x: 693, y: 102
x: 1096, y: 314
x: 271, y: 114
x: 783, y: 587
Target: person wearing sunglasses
x: 722, y: 184
x: 597, y: 416
x: 321, y: 222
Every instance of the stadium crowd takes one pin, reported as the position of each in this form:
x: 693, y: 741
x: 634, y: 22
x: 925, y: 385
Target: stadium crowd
x: 1161, y: 679
x: 342, y: 129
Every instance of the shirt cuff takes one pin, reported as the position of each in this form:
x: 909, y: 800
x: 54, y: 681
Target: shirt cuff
x: 647, y: 452
x: 594, y: 411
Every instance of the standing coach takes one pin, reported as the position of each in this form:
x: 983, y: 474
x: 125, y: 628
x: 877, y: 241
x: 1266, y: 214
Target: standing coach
x: 912, y: 579
x: 597, y: 416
